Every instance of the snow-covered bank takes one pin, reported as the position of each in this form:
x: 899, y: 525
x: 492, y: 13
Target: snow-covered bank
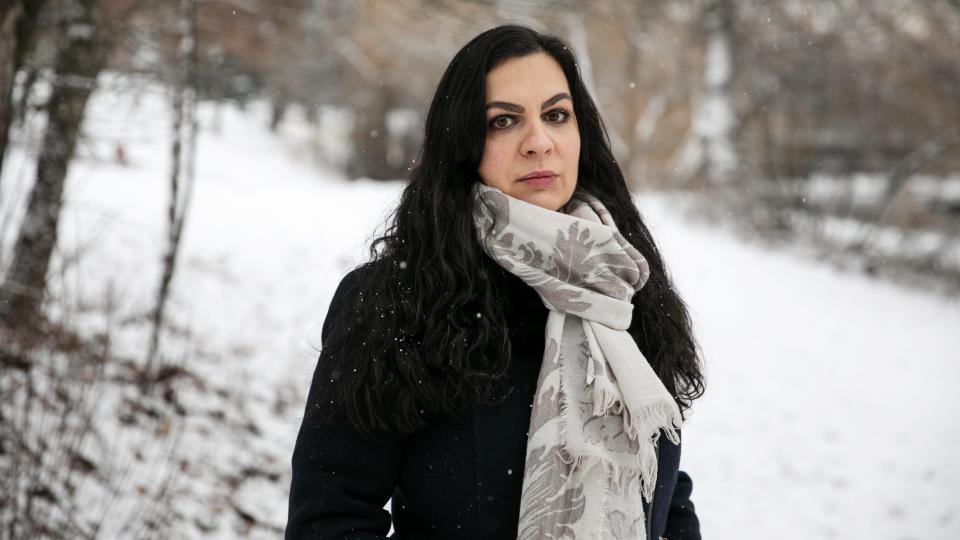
x: 829, y: 412
x: 265, y: 243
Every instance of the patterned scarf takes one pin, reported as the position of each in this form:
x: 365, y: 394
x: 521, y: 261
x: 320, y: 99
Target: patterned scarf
x: 599, y: 408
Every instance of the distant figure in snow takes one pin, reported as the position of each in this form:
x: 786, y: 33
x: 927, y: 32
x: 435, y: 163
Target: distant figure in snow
x: 514, y: 361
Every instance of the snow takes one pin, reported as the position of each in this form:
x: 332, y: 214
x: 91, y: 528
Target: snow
x: 830, y: 410
x: 867, y: 190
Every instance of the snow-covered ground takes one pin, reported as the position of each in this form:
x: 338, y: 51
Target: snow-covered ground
x: 830, y: 411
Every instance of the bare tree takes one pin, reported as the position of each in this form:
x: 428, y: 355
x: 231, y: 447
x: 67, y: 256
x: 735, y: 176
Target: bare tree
x: 18, y: 19
x: 710, y: 147
x: 577, y: 35
x: 80, y: 57
x: 184, y: 119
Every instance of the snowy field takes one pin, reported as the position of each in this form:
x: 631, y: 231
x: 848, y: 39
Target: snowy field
x: 831, y: 410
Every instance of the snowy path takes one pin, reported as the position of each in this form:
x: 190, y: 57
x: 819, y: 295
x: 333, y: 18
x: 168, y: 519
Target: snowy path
x: 830, y: 410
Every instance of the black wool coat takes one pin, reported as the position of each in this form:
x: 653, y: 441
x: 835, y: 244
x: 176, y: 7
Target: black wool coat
x: 457, y: 479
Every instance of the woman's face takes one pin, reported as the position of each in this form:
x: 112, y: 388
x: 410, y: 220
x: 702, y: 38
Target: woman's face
x: 532, y: 149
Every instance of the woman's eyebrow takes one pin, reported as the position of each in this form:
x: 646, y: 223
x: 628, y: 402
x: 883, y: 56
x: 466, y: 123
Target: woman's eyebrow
x: 513, y: 107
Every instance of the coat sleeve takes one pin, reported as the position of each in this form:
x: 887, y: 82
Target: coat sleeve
x: 682, y: 522
x: 341, y: 478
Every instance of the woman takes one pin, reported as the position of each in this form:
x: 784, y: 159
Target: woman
x: 488, y: 370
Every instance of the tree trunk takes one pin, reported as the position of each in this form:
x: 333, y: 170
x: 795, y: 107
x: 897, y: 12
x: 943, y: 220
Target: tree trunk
x: 577, y: 31
x: 710, y: 147
x: 720, y: 154
x: 80, y: 57
x: 11, y: 11
x: 632, y: 71
x: 18, y: 18
x: 184, y: 113
x: 368, y: 157
x: 278, y: 108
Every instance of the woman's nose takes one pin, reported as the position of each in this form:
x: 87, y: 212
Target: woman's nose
x: 536, y: 141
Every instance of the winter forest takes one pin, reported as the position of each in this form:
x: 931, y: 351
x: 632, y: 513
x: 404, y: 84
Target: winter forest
x: 184, y: 183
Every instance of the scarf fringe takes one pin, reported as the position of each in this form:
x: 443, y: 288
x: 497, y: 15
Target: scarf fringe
x: 646, y: 423
x: 619, y: 479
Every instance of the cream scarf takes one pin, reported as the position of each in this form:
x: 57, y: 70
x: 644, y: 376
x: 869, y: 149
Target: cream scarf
x: 599, y: 407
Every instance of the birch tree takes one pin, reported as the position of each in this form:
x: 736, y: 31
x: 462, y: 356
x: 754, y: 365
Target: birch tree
x: 17, y: 21
x: 80, y: 57
x: 710, y: 148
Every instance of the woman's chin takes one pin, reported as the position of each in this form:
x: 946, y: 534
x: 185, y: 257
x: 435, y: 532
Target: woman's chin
x: 547, y: 198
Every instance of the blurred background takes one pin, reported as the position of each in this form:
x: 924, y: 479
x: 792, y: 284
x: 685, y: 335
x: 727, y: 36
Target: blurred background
x: 184, y: 183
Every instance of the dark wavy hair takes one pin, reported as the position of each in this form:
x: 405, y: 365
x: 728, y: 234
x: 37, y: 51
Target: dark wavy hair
x: 407, y: 345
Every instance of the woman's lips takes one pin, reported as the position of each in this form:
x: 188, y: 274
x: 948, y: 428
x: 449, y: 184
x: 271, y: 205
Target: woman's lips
x: 540, y: 180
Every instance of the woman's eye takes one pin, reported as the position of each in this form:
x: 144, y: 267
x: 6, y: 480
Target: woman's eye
x: 501, y: 122
x: 557, y: 115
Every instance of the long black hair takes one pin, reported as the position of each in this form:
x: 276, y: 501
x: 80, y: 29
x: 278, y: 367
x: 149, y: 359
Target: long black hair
x: 408, y: 345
